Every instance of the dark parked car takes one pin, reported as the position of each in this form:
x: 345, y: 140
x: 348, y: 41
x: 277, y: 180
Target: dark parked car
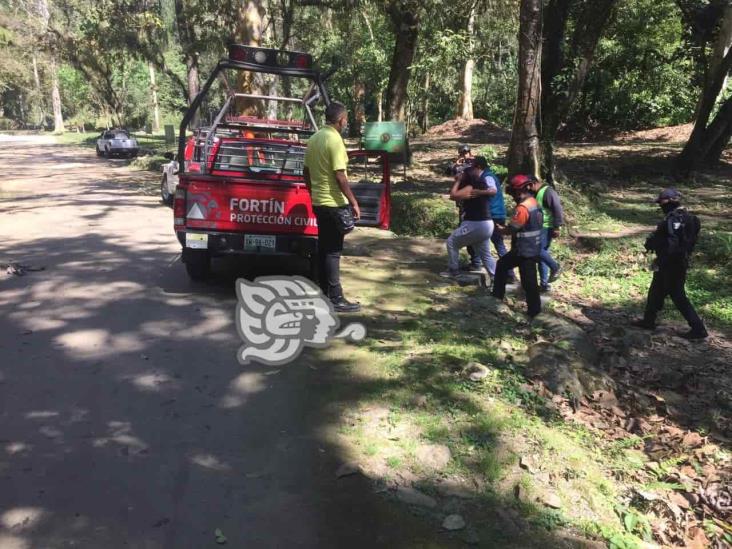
x: 118, y: 142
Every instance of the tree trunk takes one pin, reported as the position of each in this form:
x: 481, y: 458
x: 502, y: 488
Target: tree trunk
x: 465, y: 101
x: 187, y: 39
x: 718, y: 134
x: 424, y: 121
x: 193, y: 85
x: 558, y: 95
x: 359, y: 106
x: 523, y: 152
x: 39, y: 93
x: 154, y: 93
x: 696, y: 147
x: 404, y: 17
x: 58, y: 119
x: 250, y: 31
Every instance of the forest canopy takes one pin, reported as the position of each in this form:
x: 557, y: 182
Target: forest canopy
x: 608, y: 65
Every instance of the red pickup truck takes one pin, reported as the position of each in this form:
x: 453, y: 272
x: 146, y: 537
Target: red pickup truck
x: 241, y: 188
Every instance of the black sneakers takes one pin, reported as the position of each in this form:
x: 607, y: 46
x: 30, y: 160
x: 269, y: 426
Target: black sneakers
x: 695, y: 334
x: 553, y: 275
x: 342, y: 305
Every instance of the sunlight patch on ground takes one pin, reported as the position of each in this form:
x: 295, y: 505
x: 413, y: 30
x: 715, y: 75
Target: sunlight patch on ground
x: 13, y: 542
x: 21, y: 518
x: 98, y: 343
x: 209, y: 461
x: 241, y: 388
x: 13, y: 448
x: 154, y: 382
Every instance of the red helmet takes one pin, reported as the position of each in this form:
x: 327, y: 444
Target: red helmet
x: 520, y: 182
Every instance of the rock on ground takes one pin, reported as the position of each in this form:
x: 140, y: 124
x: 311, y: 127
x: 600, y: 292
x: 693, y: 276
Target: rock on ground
x: 567, y: 363
x: 411, y: 496
x: 453, y: 522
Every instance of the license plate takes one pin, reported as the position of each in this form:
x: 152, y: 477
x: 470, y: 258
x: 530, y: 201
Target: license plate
x: 257, y: 241
x: 198, y: 241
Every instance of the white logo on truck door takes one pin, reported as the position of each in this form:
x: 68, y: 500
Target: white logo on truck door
x: 277, y: 317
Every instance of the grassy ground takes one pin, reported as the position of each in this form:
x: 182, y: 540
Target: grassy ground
x: 509, y: 445
x: 522, y: 468
x: 406, y: 392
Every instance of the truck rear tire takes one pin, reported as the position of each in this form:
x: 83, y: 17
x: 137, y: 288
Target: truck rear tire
x: 198, y: 264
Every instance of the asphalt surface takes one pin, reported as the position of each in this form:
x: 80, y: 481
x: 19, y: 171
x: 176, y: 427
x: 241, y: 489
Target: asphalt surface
x: 125, y: 419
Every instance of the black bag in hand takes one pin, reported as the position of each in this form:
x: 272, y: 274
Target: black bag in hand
x: 344, y: 220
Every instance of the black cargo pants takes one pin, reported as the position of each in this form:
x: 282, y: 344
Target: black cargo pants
x: 670, y: 281
x: 330, y: 246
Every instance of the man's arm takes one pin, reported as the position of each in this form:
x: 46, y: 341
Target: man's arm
x: 342, y: 180
x: 490, y: 188
x: 552, y: 201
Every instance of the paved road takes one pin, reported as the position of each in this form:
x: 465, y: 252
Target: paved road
x: 125, y: 420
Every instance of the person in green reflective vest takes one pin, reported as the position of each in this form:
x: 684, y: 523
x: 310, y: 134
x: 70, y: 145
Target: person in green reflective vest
x: 551, y: 207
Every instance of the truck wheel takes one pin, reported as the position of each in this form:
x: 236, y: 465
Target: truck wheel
x: 99, y: 151
x: 164, y: 192
x: 198, y: 264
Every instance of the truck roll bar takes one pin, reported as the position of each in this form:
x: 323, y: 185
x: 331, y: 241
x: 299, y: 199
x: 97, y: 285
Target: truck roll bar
x: 314, y: 75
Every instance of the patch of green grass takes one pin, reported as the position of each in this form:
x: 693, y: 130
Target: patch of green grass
x: 88, y: 139
x: 422, y: 214
x: 394, y: 462
x: 150, y: 162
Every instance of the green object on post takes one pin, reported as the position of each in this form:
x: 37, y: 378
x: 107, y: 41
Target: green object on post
x: 387, y: 136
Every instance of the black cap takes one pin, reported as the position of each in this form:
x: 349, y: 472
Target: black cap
x: 670, y: 194
x: 480, y: 162
x: 462, y: 149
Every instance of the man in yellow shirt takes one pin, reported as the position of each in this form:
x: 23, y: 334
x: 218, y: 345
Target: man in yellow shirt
x: 325, y: 175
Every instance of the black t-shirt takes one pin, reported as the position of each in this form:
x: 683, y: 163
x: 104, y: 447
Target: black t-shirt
x: 475, y: 209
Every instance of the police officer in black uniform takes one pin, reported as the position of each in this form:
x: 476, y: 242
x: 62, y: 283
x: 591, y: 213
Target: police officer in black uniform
x: 673, y: 242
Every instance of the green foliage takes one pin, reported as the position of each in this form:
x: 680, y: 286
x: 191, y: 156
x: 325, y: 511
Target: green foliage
x: 422, y: 214
x: 642, y: 74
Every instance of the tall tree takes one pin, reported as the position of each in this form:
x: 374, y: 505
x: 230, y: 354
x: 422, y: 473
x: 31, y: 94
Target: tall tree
x: 250, y: 30
x: 566, y: 61
x: 189, y: 43
x: 154, y: 97
x: 405, y: 17
x: 465, y: 99
x: 708, y: 140
x: 523, y: 151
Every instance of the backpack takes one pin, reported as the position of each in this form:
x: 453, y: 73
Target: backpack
x: 682, y: 233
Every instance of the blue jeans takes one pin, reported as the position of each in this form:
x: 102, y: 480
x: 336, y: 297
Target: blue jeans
x: 497, y: 239
x: 546, y: 261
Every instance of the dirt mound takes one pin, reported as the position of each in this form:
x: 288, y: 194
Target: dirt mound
x: 476, y: 129
x: 669, y: 134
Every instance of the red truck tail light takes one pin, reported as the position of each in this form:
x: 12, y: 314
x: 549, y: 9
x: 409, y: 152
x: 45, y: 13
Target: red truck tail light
x: 179, y: 207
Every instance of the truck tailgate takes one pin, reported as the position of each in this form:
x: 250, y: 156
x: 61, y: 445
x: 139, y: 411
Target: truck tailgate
x: 261, y: 207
